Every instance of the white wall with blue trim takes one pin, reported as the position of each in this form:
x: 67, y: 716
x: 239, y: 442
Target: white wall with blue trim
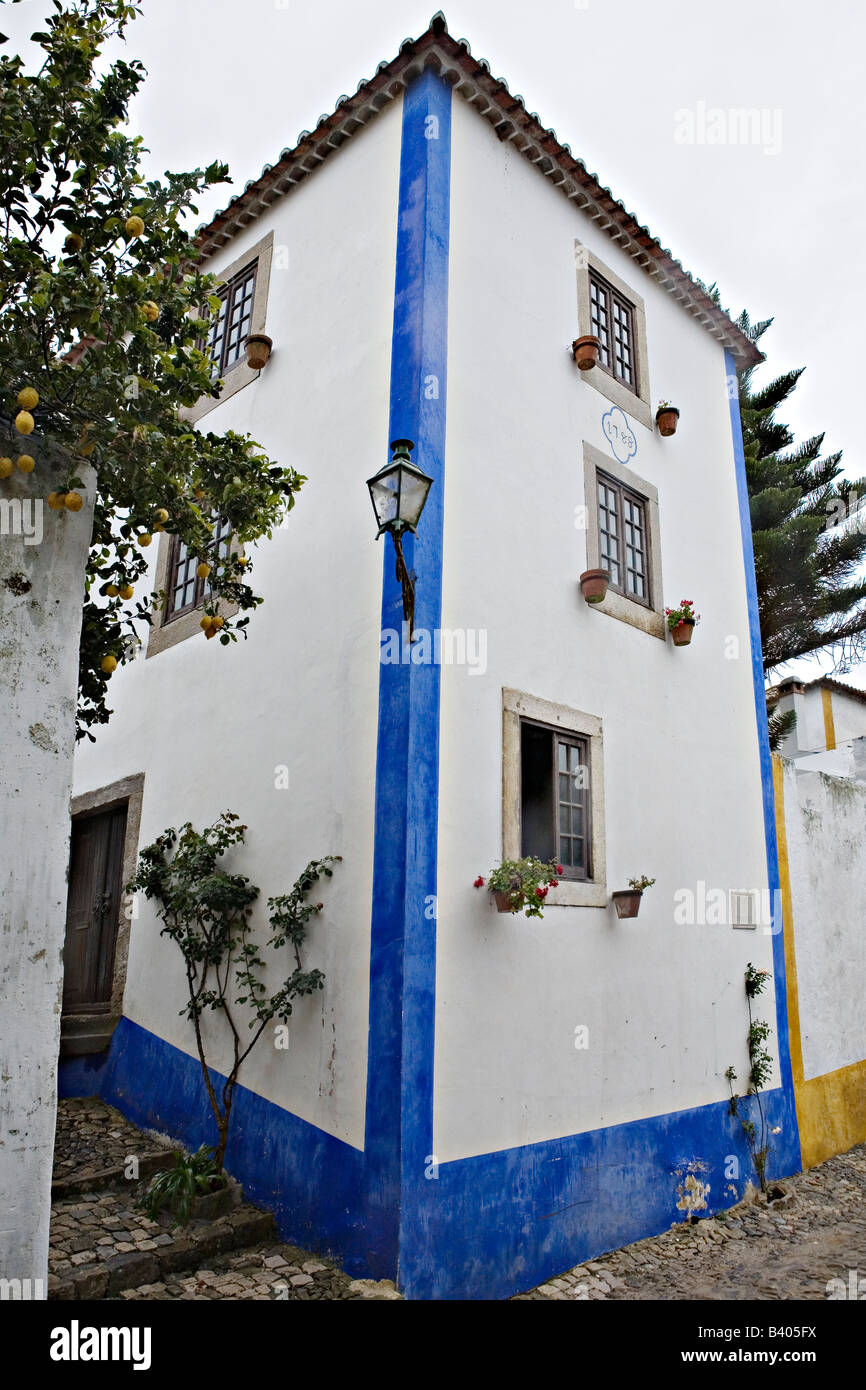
x: 663, y: 1002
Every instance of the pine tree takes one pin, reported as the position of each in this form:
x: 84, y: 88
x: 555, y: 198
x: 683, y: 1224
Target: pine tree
x: 808, y: 530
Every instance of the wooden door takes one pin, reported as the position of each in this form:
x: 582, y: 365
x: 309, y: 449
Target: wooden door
x: 95, y: 887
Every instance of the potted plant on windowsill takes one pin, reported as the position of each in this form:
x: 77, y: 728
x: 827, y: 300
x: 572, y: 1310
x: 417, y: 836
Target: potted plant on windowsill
x: 521, y: 884
x: 593, y: 585
x: 585, y: 351
x: 258, y: 349
x: 627, y: 900
x: 682, y: 622
x: 667, y: 416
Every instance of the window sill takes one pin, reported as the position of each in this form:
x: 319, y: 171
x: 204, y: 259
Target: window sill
x: 235, y: 379
x: 614, y: 391
x: 574, y: 892
x: 635, y: 614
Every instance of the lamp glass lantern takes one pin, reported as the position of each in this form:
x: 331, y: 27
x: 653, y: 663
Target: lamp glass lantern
x: 399, y: 491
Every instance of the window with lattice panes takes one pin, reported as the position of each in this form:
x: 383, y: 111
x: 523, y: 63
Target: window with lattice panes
x: 555, y: 819
x: 623, y: 538
x: 232, y: 325
x: 186, y: 590
x: 612, y: 322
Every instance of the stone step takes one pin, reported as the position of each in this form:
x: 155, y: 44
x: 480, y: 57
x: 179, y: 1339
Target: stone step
x: 172, y: 1252
x: 99, y: 1179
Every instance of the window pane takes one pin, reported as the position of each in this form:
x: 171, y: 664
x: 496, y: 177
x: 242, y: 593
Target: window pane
x: 622, y: 341
x: 608, y: 531
x: 571, y: 808
x: 600, y: 318
x: 536, y: 792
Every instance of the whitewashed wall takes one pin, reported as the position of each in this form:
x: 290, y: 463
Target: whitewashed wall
x: 664, y: 1003
x: 825, y: 821
x: 209, y: 725
x: 41, y: 584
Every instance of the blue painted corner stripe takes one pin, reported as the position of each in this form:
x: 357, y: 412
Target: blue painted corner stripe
x: 399, y: 1115
x: 763, y: 744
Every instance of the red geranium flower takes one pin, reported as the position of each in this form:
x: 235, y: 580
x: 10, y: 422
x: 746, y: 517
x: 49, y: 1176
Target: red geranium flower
x: 479, y: 882
x: 560, y: 869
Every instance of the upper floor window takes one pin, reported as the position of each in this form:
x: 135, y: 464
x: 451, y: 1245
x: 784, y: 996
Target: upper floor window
x: 186, y: 591
x: 233, y: 324
x: 613, y: 311
x: 612, y: 319
x: 623, y: 538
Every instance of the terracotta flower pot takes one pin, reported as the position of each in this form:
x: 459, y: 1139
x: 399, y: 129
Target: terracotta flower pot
x: 627, y: 902
x: 682, y: 634
x: 593, y: 585
x: 667, y: 420
x: 585, y: 351
x: 258, y: 349
x: 503, y: 902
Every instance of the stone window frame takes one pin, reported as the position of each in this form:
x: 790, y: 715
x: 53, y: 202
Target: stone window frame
x: 240, y: 375
x: 635, y: 403
x: 166, y: 630
x: 98, y: 1028
x: 649, y: 618
x: 517, y: 706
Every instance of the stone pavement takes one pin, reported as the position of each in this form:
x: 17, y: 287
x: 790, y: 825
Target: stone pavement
x: 103, y: 1247
x: 789, y: 1249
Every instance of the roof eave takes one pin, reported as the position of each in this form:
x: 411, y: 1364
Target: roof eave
x: 490, y: 96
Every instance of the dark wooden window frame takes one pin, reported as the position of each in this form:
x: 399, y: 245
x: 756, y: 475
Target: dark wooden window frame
x: 622, y: 492
x: 614, y: 300
x: 199, y: 586
x: 559, y: 736
x: 228, y: 293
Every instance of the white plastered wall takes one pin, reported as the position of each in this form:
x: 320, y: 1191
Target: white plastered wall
x: 209, y: 725
x: 825, y: 823
x: 664, y: 1003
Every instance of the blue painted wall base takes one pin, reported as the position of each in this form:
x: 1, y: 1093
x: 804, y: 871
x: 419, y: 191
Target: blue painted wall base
x: 489, y: 1226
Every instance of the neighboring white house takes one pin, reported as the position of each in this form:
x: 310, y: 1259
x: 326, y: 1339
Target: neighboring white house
x: 820, y: 795
x: 477, y: 1100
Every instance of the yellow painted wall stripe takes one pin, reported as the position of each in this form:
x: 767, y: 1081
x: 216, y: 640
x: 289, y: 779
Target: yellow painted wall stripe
x: 829, y: 726
x: 831, y: 1109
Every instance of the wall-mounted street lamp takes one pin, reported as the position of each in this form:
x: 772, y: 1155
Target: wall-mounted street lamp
x: 398, y: 493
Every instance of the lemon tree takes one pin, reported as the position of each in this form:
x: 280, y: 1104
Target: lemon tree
x: 102, y: 318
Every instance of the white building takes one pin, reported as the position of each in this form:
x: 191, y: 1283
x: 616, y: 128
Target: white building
x: 476, y: 1100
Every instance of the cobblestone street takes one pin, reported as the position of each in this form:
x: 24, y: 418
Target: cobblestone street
x: 102, y: 1246
x: 785, y: 1250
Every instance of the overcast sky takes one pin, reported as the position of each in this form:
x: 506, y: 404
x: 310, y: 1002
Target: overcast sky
x: 778, y: 223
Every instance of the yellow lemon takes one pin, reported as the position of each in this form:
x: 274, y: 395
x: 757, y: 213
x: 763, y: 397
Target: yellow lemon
x: 26, y: 462
x: 109, y: 664
x: 243, y: 561
x: 127, y: 591
x: 161, y: 514
x: 73, y: 243
x: 73, y: 501
x: 111, y: 591
x: 6, y: 468
x: 55, y: 501
x: 150, y: 310
x: 218, y: 622
x: 24, y: 422
x: 133, y: 226
x: 28, y: 398
x: 202, y: 570
x: 144, y: 539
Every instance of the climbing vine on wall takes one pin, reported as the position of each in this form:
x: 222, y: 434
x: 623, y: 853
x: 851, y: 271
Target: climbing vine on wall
x: 760, y: 1068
